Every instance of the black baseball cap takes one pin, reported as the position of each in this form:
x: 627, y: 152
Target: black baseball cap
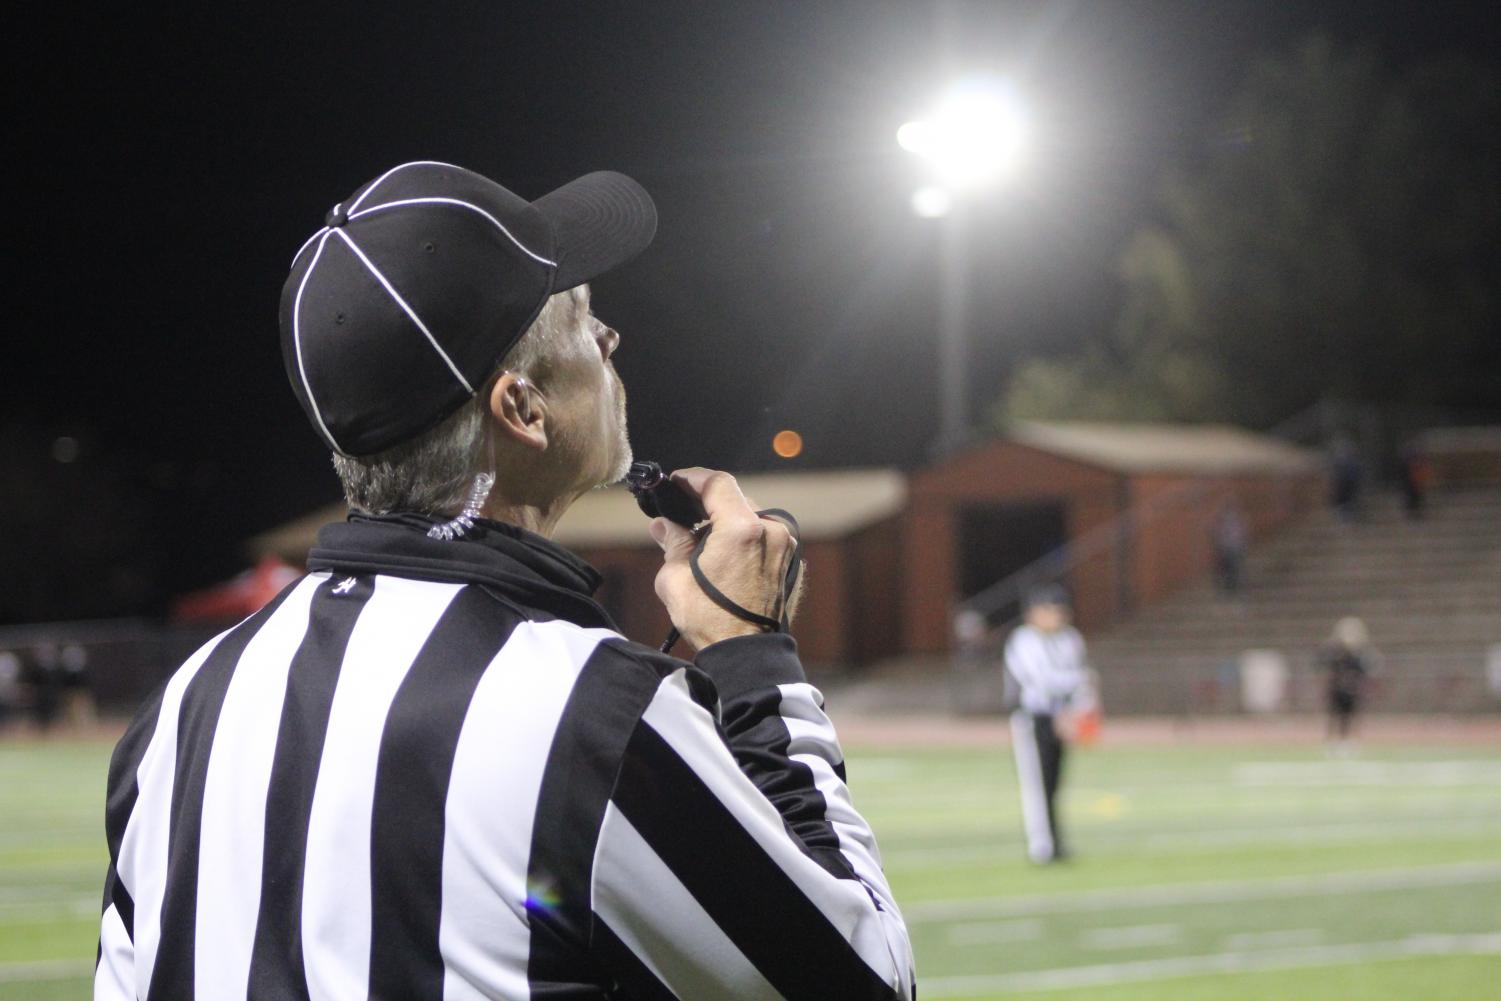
x: 1047, y: 594
x: 400, y: 308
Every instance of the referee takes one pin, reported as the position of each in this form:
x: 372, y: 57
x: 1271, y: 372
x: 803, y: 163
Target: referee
x: 432, y: 768
x: 1045, y: 663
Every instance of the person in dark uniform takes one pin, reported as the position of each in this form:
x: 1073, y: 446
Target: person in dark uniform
x: 1417, y: 475
x: 1350, y: 661
x: 46, y: 677
x: 1230, y: 536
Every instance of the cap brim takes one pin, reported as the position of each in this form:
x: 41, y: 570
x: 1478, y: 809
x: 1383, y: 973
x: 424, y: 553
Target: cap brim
x: 599, y: 221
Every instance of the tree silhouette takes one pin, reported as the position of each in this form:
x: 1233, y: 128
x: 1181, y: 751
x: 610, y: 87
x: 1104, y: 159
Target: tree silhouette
x: 1339, y: 237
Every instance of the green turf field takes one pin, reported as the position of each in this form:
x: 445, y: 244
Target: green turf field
x: 1219, y: 873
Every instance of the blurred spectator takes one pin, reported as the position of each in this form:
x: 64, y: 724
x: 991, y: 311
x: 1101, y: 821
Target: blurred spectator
x: 1347, y: 476
x: 77, y: 693
x: 46, y: 677
x: 971, y: 630
x: 1230, y: 537
x: 1351, y: 661
x: 10, y: 685
x: 1417, y: 476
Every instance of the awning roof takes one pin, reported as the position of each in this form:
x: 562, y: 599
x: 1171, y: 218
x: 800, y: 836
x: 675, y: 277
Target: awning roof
x: 1205, y: 449
x: 828, y: 505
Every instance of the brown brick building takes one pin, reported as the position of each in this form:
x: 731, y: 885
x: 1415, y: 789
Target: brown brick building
x: 890, y: 555
x: 1126, y: 511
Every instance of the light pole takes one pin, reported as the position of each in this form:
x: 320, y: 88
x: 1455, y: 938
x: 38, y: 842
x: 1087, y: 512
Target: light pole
x: 974, y: 137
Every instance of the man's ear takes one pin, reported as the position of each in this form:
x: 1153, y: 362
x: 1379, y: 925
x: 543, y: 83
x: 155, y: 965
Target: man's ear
x: 519, y: 410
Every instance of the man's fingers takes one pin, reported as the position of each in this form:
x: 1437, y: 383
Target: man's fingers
x: 746, y: 557
x: 676, y: 541
x: 717, y: 491
x: 778, y: 534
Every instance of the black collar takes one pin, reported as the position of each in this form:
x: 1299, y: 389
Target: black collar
x: 518, y: 565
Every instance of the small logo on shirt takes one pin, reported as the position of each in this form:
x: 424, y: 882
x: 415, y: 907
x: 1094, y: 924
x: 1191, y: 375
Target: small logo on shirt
x: 344, y: 586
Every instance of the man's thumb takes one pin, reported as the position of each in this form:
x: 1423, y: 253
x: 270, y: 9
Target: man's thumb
x: 675, y: 540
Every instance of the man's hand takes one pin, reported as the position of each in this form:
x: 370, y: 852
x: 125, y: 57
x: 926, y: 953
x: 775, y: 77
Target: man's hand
x: 745, y: 556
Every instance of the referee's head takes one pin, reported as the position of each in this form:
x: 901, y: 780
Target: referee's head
x: 438, y: 325
x: 1048, y: 607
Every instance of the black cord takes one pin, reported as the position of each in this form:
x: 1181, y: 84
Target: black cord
x: 778, y: 624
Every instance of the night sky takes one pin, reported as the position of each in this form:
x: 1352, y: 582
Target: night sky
x: 171, y: 164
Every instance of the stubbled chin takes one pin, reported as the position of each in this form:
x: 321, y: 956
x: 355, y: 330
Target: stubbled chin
x: 623, y: 459
x: 622, y: 442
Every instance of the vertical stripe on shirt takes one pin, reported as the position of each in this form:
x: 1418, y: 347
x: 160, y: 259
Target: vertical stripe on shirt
x: 336, y: 883
x: 411, y: 788
x: 142, y: 864
x: 173, y: 975
x: 276, y: 970
x: 124, y: 788
x: 602, y: 710
x: 483, y: 933
x: 114, y: 977
x: 234, y: 798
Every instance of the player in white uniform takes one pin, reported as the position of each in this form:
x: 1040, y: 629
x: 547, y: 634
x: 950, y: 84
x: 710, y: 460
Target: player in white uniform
x: 1046, y: 664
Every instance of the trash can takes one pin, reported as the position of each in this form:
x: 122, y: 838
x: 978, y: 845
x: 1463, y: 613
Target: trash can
x: 1263, y: 681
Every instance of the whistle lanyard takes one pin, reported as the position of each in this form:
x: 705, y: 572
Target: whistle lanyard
x: 776, y: 624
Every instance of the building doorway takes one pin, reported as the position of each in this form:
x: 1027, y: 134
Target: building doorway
x: 996, y: 540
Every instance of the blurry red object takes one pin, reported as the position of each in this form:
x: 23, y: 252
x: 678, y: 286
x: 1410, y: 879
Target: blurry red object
x: 1079, y: 726
x: 1087, y: 726
x: 241, y: 595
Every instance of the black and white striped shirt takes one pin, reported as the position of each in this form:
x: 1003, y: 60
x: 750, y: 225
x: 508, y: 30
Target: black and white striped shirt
x: 1048, y: 667
x: 432, y: 770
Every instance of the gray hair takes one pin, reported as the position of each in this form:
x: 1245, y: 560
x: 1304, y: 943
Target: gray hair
x: 433, y: 473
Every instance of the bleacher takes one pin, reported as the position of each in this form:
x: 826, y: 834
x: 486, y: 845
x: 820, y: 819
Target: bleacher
x: 1428, y: 589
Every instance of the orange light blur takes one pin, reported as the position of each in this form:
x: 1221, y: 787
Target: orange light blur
x: 787, y: 444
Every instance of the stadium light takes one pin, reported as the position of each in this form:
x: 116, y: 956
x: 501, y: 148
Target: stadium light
x: 976, y: 134
x: 932, y: 202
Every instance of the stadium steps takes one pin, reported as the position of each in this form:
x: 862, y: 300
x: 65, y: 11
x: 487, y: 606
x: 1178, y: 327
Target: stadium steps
x: 1429, y: 591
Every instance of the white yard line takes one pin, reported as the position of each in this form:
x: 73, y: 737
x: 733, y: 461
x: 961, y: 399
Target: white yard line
x: 1220, y: 891
x: 1368, y: 773
x: 1131, y: 937
x: 993, y: 932
x: 1343, y: 832
x: 1284, y: 939
x: 94, y: 868
x: 52, y: 834
x: 44, y: 893
x: 1224, y: 962
x: 26, y: 894
x: 53, y: 969
x: 50, y: 909
x: 1340, y: 832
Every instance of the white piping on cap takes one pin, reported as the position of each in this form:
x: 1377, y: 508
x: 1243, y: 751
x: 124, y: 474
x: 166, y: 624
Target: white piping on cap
x: 400, y: 166
x: 297, y: 340
x: 408, y: 309
x: 305, y: 244
x: 454, y: 201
